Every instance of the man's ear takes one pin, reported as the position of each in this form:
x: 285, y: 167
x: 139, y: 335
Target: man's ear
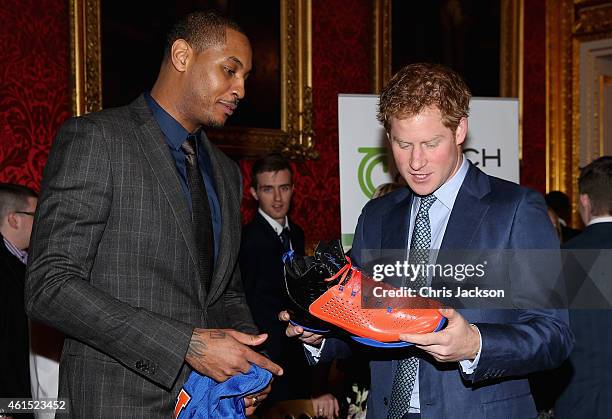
x: 585, y: 203
x: 254, y: 193
x: 461, y: 131
x: 180, y: 54
x: 12, y: 220
x: 584, y: 208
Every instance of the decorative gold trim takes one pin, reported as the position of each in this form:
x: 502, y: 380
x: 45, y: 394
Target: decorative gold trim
x: 558, y: 113
x: 509, y: 47
x: 604, y: 81
x: 85, y: 54
x: 298, y: 125
x: 569, y: 23
x: 295, y: 137
x: 521, y: 63
x: 511, y: 44
x: 593, y: 17
x: 511, y: 56
x: 381, y: 56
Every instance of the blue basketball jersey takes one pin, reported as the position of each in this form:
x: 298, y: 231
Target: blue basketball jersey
x: 202, y: 397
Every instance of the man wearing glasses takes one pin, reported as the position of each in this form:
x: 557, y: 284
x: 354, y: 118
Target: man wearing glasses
x: 17, y: 206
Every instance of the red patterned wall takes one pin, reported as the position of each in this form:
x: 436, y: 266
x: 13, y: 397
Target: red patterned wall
x: 34, y: 97
x: 341, y: 63
x: 34, y: 80
x: 533, y: 166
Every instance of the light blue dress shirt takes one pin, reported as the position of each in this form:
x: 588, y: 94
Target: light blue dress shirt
x: 439, y: 214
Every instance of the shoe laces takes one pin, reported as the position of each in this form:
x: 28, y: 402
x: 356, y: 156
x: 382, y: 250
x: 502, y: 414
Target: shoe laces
x: 349, y: 277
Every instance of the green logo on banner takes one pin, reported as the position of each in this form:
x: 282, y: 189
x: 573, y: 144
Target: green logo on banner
x: 373, y: 156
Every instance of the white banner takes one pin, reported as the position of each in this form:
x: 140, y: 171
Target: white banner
x: 365, y: 162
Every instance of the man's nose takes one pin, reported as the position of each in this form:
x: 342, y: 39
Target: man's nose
x: 417, y: 159
x: 238, y: 89
x: 277, y: 194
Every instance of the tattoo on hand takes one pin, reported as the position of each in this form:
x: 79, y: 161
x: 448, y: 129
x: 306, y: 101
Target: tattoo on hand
x: 217, y: 334
x: 197, y: 349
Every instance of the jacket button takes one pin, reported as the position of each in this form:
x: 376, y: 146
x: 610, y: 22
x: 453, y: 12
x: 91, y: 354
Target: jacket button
x: 385, y: 401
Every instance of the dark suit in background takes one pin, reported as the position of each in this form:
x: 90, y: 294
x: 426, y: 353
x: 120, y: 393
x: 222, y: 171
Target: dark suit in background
x: 262, y: 271
x: 567, y: 233
x: 588, y: 391
x: 113, y: 263
x: 14, y: 350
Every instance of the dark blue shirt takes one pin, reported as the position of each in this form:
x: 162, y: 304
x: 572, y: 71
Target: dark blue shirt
x: 175, y: 136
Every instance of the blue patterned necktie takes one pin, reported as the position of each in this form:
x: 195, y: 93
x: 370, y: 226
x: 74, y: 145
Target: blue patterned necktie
x: 285, y: 239
x: 420, y: 244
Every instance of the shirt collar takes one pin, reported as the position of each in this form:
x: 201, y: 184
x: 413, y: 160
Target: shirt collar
x: 447, y: 193
x: 174, y: 132
x: 602, y: 219
x: 275, y: 225
x: 22, y: 255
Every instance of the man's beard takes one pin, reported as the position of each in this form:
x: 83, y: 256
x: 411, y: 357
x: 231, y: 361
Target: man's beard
x: 212, y: 123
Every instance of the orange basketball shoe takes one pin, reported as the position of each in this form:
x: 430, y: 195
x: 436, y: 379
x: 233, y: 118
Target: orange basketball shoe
x: 338, y: 299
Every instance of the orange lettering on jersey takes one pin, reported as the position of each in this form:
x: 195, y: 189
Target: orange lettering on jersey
x: 181, y: 402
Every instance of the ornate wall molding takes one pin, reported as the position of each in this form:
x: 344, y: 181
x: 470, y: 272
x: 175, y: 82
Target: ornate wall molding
x: 510, y: 46
x: 605, y: 126
x: 296, y: 30
x: 594, y: 65
x: 592, y: 17
x: 569, y: 24
x: 85, y: 56
x: 295, y: 137
x: 381, y: 45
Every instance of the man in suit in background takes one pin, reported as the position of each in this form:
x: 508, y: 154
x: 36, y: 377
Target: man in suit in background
x: 136, y: 241
x: 264, y: 241
x: 476, y: 367
x: 17, y: 207
x: 588, y: 392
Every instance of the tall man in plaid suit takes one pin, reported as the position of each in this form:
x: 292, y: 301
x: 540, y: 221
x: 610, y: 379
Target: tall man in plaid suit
x: 136, y: 239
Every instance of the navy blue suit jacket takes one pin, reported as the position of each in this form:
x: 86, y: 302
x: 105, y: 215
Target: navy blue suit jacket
x: 587, y: 393
x: 489, y: 213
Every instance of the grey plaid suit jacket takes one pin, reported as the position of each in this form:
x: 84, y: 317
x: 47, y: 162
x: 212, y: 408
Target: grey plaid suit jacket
x: 113, y: 264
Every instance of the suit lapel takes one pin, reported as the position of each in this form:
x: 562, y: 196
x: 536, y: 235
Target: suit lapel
x: 468, y: 211
x: 297, y: 240
x: 395, y: 225
x: 273, y: 237
x: 268, y: 229
x: 230, y: 229
x: 153, y: 146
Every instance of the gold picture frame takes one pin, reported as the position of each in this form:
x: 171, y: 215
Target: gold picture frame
x: 510, y: 51
x: 510, y: 45
x: 295, y: 137
x: 605, y: 87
